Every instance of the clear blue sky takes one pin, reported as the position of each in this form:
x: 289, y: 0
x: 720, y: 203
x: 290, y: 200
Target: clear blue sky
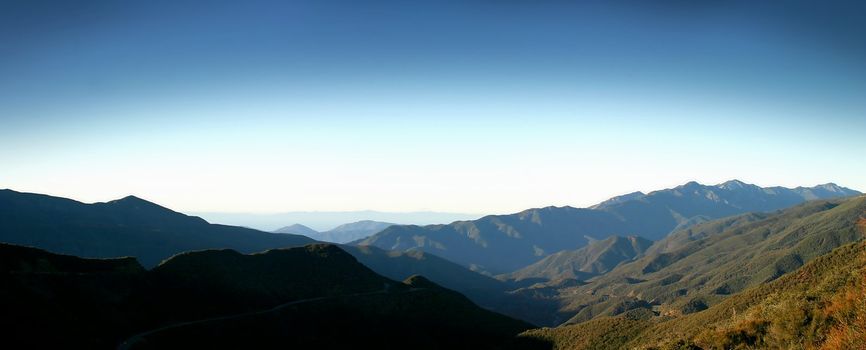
x: 461, y: 106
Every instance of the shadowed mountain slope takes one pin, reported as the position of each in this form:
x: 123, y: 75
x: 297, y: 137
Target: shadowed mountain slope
x: 134, y: 227
x: 126, y: 227
x: 297, y: 297
x: 483, y: 290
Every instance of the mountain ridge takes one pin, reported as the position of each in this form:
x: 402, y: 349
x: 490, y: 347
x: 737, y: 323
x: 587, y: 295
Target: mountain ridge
x: 129, y: 226
x: 530, y: 235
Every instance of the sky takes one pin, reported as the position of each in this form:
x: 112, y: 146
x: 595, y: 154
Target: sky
x: 474, y: 106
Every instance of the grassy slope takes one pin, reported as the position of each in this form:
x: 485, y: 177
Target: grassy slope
x: 821, y: 305
x: 700, y: 266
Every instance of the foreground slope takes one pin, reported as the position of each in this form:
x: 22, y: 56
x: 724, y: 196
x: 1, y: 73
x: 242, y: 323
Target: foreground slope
x: 822, y: 305
x: 126, y: 227
x: 501, y: 244
x: 316, y: 295
x: 698, y: 267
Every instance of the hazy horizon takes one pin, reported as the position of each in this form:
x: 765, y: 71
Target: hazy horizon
x: 458, y: 106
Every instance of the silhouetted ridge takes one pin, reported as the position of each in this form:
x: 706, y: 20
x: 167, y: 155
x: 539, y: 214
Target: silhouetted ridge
x: 303, y: 297
x: 20, y: 259
x: 129, y: 226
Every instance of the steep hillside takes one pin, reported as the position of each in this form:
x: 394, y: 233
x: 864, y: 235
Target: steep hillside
x: 698, y: 267
x: 503, y: 243
x: 483, y: 290
x: 399, y: 265
x: 822, y: 305
x: 297, y: 297
x: 594, y: 259
x: 499, y: 244
x: 126, y: 227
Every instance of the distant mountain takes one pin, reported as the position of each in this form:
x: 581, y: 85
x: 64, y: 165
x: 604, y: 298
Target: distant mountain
x: 503, y: 243
x: 341, y: 234
x: 126, y: 227
x: 661, y: 212
x: 399, y: 265
x: 326, y: 220
x: 346, y: 233
x: 313, y: 296
x: 619, y: 199
x: 500, y: 244
x: 594, y: 259
x: 298, y: 229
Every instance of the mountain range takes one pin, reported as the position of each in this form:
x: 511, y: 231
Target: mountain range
x: 698, y: 267
x: 325, y: 220
x: 151, y: 233
x: 531, y: 235
x: 341, y: 234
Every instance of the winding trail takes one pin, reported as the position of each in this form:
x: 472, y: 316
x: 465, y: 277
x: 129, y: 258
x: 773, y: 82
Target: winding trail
x: 129, y: 342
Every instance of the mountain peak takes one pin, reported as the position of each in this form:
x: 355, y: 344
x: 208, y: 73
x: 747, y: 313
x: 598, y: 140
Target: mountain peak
x: 734, y: 185
x: 690, y: 185
x: 138, y: 203
x: 297, y: 229
x: 832, y: 187
x: 619, y: 199
x: 130, y: 199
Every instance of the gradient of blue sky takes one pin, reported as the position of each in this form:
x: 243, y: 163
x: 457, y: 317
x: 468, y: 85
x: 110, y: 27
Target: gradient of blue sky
x: 462, y: 106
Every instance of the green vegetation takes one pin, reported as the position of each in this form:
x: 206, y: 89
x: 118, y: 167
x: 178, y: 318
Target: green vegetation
x: 820, y: 306
x: 596, y: 258
x: 700, y: 266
